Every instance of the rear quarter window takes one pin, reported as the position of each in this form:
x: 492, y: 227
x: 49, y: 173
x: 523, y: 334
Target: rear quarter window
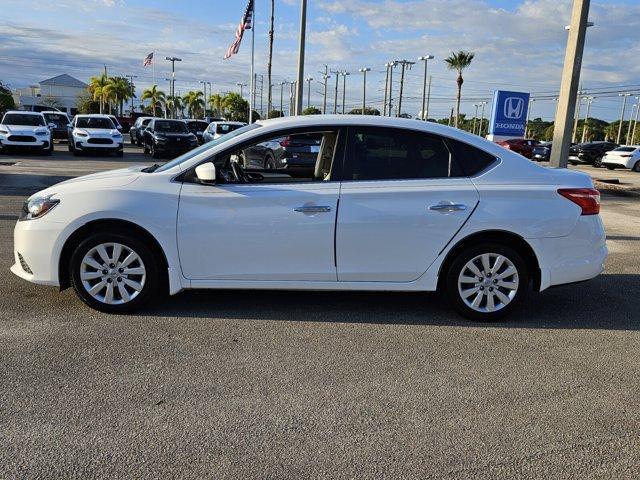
x: 471, y: 159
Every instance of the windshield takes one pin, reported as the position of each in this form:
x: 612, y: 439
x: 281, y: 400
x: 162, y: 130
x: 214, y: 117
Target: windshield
x: 60, y: 119
x: 114, y: 120
x: 167, y: 126
x: 223, y: 128
x: 207, y: 146
x: 197, y: 126
x: 22, y: 119
x: 94, y: 122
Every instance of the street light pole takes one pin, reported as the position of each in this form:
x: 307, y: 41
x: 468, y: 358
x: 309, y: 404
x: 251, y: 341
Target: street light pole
x: 204, y: 97
x: 475, y: 117
x: 392, y: 64
x: 634, y: 106
x: 569, y: 84
x: 364, y: 87
x: 586, y: 119
x: 527, y: 132
x: 624, y: 105
x: 173, y: 61
x: 299, y: 83
x: 344, y: 87
x: 241, y: 85
x: 131, y: 77
x: 405, y: 64
x: 635, y: 122
x: 335, y: 99
x: 425, y: 59
x: 386, y: 87
x: 481, y: 127
x: 282, y: 84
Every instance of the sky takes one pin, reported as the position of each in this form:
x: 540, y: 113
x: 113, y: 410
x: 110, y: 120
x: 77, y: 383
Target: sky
x: 518, y: 45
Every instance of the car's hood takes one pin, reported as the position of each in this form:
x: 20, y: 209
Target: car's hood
x: 23, y: 129
x: 99, y: 132
x: 96, y: 181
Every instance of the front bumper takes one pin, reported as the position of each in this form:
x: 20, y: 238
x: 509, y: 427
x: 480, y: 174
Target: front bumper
x: 38, y: 242
x: 82, y: 143
x: 40, y: 142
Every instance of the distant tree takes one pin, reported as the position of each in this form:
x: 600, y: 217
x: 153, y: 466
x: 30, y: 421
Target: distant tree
x: 6, y: 102
x: 367, y: 111
x: 458, y: 62
x: 86, y: 104
x: 4, y: 88
x: 237, y: 108
x: 194, y: 102
x: 312, y: 111
x: 175, y: 104
x: 118, y: 90
x: 216, y: 102
x: 548, y: 133
x: 156, y: 98
x: 97, y: 88
x: 275, y: 114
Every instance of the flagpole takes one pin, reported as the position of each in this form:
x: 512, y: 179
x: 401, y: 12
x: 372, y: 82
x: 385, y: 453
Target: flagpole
x: 253, y: 42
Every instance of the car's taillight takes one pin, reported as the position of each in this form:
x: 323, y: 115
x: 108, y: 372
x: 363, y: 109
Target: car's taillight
x: 285, y: 142
x: 588, y: 199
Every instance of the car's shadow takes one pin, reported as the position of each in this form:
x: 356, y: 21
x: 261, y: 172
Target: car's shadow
x: 607, y: 302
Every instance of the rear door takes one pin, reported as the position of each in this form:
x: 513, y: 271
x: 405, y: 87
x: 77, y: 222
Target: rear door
x: 402, y: 199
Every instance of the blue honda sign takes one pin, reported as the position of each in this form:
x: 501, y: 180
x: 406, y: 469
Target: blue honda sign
x: 509, y: 114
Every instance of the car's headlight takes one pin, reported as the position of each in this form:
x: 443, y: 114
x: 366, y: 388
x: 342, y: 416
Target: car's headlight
x: 42, y: 133
x: 38, y: 207
x: 3, y: 132
x: 80, y: 133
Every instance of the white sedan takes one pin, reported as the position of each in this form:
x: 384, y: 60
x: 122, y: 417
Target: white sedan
x: 390, y: 205
x: 623, y: 157
x: 26, y: 130
x: 95, y: 133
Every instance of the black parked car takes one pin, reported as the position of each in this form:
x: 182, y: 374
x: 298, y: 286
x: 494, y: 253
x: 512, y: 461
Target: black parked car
x: 197, y: 127
x: 542, y: 152
x: 169, y: 137
x: 61, y: 121
x: 294, y: 152
x: 590, y: 153
x: 135, y: 132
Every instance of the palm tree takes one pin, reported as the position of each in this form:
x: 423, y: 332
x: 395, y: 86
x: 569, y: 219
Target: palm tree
x: 458, y: 62
x: 269, y: 106
x: 119, y: 89
x: 194, y: 102
x: 97, y: 88
x: 175, y: 104
x: 216, y: 102
x: 156, y: 97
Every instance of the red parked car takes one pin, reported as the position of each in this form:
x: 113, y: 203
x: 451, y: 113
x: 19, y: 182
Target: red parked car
x: 522, y: 146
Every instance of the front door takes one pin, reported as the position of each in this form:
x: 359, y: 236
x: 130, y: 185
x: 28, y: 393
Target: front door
x: 403, y: 199
x: 277, y: 225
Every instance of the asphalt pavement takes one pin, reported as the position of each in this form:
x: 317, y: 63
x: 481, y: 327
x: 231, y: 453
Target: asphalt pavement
x: 260, y: 384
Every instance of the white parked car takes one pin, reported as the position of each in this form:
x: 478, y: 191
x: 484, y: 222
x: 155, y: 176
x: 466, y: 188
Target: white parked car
x: 623, y: 157
x: 219, y: 128
x: 390, y: 205
x: 94, y: 132
x: 26, y: 130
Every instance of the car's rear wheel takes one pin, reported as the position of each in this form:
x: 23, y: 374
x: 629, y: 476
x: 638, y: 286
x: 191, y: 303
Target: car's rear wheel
x: 597, y: 162
x: 610, y: 167
x: 269, y: 162
x: 636, y: 167
x: 485, y: 282
x: 114, y: 272
x: 153, y: 151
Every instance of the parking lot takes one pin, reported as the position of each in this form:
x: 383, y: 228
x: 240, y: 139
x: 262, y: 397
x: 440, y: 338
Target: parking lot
x: 260, y: 384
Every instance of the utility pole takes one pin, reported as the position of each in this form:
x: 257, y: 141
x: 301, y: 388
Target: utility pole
x: 309, y: 80
x: 425, y: 59
x: 173, y: 61
x: 451, y: 116
x: 299, y: 82
x: 393, y: 64
x: 570, y: 82
x: 292, y: 97
x: 405, y: 64
x: 206, y: 100
x: 204, y: 97
x: 586, y: 119
x: 527, y: 131
x: 481, y: 127
x: 364, y: 87
x: 576, y: 117
x: 428, y: 98
x: 475, y: 117
x: 344, y: 74
x: 635, y: 123
x: 335, y: 98
x: 173, y: 100
x: 624, y: 104
x: 386, y: 87
x: 131, y: 77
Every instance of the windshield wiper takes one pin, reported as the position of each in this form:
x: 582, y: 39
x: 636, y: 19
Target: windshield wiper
x: 151, y: 169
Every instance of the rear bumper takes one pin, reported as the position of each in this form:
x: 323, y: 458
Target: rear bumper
x: 576, y: 257
x: 619, y: 162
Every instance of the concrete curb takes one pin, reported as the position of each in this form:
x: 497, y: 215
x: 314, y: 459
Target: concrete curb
x: 617, y: 189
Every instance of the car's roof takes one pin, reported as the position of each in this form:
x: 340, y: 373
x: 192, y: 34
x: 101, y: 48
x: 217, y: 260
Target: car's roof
x: 24, y: 112
x: 169, y: 120
x: 93, y: 115
x: 57, y: 112
x: 229, y: 122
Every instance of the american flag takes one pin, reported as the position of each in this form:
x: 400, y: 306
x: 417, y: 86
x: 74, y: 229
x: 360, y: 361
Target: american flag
x: 245, y: 24
x: 148, y: 60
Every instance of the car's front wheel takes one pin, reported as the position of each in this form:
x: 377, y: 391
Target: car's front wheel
x: 485, y: 282
x: 636, y: 167
x: 114, y: 272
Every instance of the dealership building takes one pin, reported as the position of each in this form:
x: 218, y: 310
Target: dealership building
x: 60, y: 92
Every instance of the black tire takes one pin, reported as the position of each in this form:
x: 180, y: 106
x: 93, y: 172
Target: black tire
x: 145, y: 149
x: 152, y: 283
x: 152, y: 150
x: 610, y: 167
x: 455, y: 269
x: 131, y: 139
x: 597, y: 162
x: 120, y: 153
x: 48, y: 151
x: 269, y: 162
x: 636, y: 167
x: 70, y: 147
x: 76, y: 152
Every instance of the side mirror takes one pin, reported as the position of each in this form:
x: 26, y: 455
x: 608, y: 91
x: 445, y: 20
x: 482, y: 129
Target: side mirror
x: 52, y: 125
x: 206, y: 172
x: 69, y: 125
x: 119, y: 127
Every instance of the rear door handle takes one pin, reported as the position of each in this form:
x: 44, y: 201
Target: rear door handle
x: 312, y: 209
x: 448, y: 207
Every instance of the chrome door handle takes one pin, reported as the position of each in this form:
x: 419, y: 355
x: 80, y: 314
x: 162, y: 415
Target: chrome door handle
x: 312, y: 209
x: 448, y: 207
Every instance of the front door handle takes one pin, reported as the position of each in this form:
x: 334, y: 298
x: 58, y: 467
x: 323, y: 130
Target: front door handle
x: 312, y: 209
x: 448, y: 207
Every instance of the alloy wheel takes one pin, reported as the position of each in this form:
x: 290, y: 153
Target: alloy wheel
x: 488, y: 282
x: 112, y: 273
